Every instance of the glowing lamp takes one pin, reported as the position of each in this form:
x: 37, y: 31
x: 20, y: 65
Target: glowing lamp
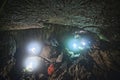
x: 76, y: 46
x: 32, y: 64
x: 34, y: 48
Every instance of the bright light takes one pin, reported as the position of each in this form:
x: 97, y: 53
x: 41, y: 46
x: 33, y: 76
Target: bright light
x: 34, y: 48
x: 32, y: 63
x: 74, y: 45
x: 83, y: 43
x: 29, y: 67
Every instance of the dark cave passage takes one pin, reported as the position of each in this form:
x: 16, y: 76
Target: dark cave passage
x: 59, y: 40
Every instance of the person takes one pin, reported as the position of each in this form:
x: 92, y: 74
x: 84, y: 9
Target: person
x: 53, y: 66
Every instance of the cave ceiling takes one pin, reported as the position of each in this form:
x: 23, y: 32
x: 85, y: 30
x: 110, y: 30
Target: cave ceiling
x: 25, y: 14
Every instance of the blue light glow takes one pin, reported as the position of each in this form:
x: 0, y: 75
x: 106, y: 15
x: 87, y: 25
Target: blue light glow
x: 83, y: 43
x: 73, y: 45
x: 76, y: 45
x: 32, y: 63
x: 34, y: 48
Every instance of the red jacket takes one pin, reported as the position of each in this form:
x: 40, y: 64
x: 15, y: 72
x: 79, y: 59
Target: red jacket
x: 51, y: 69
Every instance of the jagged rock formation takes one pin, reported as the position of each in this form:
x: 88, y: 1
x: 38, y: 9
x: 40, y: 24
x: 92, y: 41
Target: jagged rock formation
x: 33, y: 13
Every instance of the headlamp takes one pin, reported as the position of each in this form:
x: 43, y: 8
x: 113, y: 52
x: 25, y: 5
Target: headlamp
x: 32, y: 64
x: 78, y: 43
x: 34, y: 48
x: 33, y: 61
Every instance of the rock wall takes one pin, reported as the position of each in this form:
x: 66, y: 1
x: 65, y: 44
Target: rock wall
x: 17, y: 14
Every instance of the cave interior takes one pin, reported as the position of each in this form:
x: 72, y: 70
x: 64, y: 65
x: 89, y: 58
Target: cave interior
x: 50, y: 23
